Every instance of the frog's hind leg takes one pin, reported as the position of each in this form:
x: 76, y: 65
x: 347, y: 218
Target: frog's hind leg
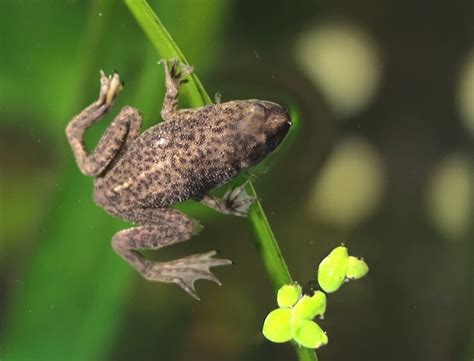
x: 160, y: 228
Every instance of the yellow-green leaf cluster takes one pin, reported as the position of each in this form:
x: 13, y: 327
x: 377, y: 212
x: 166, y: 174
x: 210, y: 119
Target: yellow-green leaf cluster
x: 294, y: 318
x: 339, y: 266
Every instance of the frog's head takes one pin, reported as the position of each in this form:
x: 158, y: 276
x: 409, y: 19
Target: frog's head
x: 276, y: 125
x: 265, y: 124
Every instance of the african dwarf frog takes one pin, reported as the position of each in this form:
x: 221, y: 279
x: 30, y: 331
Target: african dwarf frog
x: 139, y: 176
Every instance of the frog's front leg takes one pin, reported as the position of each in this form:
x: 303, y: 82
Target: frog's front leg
x: 175, y: 74
x: 123, y: 129
x: 159, y: 228
x: 235, y: 201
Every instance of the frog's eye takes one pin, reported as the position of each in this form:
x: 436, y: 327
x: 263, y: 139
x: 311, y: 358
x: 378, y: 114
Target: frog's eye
x: 256, y: 106
x: 258, y: 110
x: 254, y: 119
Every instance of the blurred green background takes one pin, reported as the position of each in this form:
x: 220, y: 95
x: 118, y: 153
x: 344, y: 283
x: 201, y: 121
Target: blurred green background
x: 381, y: 160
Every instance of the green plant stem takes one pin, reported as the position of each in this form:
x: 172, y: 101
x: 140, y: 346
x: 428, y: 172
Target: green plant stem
x: 305, y: 354
x: 166, y: 47
x: 267, y: 244
x: 265, y: 240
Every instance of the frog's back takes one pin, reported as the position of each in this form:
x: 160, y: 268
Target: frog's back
x: 171, y: 162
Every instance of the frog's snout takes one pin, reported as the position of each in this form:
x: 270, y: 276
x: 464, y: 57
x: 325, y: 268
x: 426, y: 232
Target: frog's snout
x: 283, y: 114
x: 286, y: 126
x: 287, y: 112
x: 288, y: 120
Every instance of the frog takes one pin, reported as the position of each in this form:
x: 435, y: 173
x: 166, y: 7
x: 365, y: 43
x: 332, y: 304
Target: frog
x: 140, y: 176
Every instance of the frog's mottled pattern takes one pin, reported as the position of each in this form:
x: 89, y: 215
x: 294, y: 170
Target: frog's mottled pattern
x: 139, y: 176
x: 195, y: 153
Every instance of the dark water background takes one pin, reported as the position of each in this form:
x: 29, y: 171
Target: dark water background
x: 380, y: 158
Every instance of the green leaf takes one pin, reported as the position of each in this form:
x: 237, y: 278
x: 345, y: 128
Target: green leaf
x: 288, y: 295
x: 332, y: 269
x: 356, y: 268
x: 276, y: 327
x: 308, y: 307
x: 309, y: 334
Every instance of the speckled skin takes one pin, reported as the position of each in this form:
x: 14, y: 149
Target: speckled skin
x: 139, y: 176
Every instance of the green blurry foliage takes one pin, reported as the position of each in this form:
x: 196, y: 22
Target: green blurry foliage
x: 69, y: 302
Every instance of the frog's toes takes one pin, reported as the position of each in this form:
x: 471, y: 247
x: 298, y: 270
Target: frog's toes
x: 238, y: 201
x: 185, y: 271
x: 110, y: 87
x: 180, y: 71
x: 177, y: 70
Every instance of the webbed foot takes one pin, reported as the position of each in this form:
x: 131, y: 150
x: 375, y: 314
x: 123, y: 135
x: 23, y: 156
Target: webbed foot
x: 238, y: 201
x: 185, y: 271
